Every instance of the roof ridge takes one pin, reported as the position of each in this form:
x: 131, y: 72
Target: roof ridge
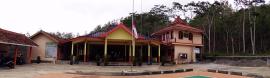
x: 14, y: 38
x: 10, y: 31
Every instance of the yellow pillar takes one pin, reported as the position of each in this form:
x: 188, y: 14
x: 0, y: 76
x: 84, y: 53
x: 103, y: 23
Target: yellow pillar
x: 159, y: 53
x: 105, y: 50
x: 129, y: 53
x: 84, y: 51
x: 149, y: 53
x: 133, y: 49
x: 72, y: 48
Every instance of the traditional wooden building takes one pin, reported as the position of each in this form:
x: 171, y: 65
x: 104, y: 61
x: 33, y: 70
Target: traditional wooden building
x: 48, y: 46
x: 114, y: 45
x: 15, y: 45
x: 181, y: 41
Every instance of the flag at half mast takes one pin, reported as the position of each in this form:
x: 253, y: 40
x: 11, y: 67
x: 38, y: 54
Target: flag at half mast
x: 134, y: 30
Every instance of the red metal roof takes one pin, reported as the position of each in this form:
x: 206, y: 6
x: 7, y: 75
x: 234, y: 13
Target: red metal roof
x: 13, y: 38
x: 178, y: 24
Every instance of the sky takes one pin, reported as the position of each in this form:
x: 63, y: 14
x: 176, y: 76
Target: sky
x: 76, y: 16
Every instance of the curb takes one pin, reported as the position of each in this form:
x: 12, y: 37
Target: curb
x: 156, y: 72
x: 234, y: 73
x: 126, y: 73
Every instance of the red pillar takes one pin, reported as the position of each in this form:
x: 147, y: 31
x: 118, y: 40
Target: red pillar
x: 15, y: 55
x: 30, y: 55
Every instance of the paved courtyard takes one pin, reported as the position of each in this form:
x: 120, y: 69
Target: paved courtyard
x: 42, y: 70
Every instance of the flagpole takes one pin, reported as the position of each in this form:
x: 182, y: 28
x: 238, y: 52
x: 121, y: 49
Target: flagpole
x: 133, y: 44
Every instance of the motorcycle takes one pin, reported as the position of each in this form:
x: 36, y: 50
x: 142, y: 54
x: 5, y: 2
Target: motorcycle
x: 7, y: 62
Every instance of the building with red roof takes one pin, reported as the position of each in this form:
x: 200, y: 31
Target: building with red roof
x: 178, y: 43
x: 113, y: 45
x: 15, y: 45
x: 48, y: 46
x: 183, y: 42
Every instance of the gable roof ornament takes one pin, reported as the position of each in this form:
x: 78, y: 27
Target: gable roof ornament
x: 178, y: 24
x: 178, y: 20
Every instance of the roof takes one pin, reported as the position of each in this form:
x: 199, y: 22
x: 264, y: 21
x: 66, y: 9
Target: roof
x: 13, y: 38
x: 178, y: 24
x: 50, y: 36
x: 104, y: 33
x: 109, y: 30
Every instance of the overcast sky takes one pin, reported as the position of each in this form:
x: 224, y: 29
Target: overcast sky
x: 77, y: 16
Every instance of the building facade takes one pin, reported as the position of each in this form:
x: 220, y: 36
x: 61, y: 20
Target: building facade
x: 48, y: 46
x: 15, y: 46
x: 183, y: 42
x: 115, y: 44
x: 178, y: 43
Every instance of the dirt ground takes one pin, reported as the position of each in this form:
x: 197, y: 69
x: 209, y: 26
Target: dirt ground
x: 37, y: 70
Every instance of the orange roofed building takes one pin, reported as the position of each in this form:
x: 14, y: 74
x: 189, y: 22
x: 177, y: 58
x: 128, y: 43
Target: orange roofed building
x: 15, y: 46
x: 113, y: 45
x: 182, y: 42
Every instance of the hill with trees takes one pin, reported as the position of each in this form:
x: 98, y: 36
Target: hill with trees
x: 240, y: 30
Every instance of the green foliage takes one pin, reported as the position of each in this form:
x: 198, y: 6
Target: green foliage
x: 63, y: 35
x: 224, y: 22
x: 146, y: 23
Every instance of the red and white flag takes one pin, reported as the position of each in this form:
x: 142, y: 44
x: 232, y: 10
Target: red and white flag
x: 134, y: 30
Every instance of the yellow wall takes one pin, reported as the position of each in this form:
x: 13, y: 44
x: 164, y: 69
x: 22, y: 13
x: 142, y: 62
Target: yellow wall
x: 41, y: 40
x: 183, y: 49
x: 120, y: 34
x: 197, y: 38
x: 184, y: 40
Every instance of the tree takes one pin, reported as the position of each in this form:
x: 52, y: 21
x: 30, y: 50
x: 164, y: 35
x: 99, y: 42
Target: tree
x: 63, y: 35
x: 228, y: 31
x: 149, y: 22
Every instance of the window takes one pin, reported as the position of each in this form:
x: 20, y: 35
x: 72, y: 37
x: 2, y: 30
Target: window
x: 167, y: 35
x: 190, y: 36
x: 172, y: 35
x: 51, y: 50
x: 186, y: 35
x: 180, y: 35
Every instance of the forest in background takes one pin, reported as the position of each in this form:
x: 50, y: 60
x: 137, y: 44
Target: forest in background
x: 242, y: 29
